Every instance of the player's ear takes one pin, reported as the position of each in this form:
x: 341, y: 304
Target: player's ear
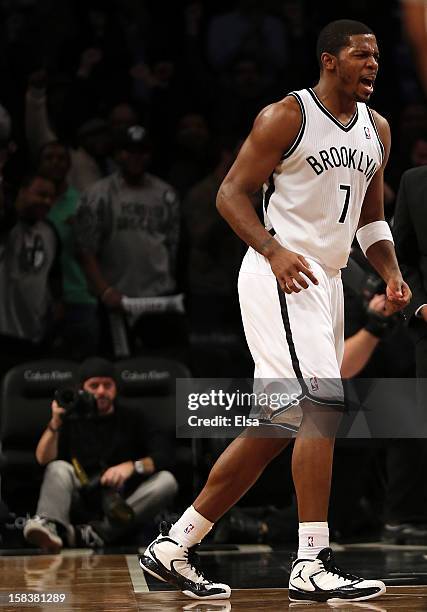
x: 329, y: 61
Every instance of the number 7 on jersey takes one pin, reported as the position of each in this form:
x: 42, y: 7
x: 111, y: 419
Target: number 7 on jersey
x: 347, y: 189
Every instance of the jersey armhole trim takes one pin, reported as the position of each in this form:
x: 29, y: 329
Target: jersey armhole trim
x: 300, y: 134
x: 371, y: 117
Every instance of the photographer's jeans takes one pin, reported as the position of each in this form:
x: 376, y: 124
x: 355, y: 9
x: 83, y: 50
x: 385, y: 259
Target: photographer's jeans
x: 60, y: 482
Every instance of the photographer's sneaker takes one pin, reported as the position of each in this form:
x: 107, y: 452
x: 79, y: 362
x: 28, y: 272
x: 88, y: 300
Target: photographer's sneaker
x: 42, y: 533
x: 170, y: 561
x: 319, y: 579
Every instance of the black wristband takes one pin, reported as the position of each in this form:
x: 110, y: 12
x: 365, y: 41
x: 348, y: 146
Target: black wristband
x: 378, y: 325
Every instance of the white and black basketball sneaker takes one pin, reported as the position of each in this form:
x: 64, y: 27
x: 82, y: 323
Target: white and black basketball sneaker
x: 320, y: 580
x: 170, y: 561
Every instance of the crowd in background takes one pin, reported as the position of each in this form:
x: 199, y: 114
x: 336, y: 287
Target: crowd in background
x: 119, y: 120
x: 74, y: 77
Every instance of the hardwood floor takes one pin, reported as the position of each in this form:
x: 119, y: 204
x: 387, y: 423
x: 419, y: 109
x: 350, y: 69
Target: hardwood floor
x: 114, y: 582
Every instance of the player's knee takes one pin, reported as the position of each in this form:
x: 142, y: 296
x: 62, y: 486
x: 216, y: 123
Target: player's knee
x: 320, y: 420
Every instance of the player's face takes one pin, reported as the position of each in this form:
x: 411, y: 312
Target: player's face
x: 357, y: 66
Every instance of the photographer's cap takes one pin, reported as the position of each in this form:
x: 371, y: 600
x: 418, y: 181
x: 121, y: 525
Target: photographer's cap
x: 96, y: 367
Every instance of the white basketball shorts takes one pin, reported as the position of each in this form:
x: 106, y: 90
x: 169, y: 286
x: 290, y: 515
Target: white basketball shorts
x: 296, y: 340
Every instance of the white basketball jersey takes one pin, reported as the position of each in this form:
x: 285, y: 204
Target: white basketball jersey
x: 313, y: 200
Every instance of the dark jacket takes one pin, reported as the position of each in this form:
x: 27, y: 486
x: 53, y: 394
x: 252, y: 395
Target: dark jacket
x: 101, y: 442
x: 410, y: 235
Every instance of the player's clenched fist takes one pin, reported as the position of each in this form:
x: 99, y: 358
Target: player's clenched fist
x: 290, y: 269
x: 398, y: 294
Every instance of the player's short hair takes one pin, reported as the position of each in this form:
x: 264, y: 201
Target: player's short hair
x: 335, y: 35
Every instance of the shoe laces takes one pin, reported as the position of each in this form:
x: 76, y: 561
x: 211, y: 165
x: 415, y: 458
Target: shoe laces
x: 194, y: 562
x: 45, y: 522
x: 190, y: 555
x: 331, y: 568
x: 52, y: 527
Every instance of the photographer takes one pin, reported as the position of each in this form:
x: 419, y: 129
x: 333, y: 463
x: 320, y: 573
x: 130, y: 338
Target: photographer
x: 378, y: 345
x: 107, y: 455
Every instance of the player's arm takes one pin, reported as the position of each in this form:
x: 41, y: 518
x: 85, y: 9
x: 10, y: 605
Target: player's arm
x: 381, y: 253
x: 274, y: 130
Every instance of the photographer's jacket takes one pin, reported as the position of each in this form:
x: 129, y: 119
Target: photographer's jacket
x: 102, y: 441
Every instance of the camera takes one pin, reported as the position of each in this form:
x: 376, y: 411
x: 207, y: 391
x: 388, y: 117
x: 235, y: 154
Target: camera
x: 374, y: 285
x: 362, y: 282
x: 78, y: 404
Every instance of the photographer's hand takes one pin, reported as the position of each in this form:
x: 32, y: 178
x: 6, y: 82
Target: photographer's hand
x: 117, y: 475
x: 382, y: 317
x: 57, y: 412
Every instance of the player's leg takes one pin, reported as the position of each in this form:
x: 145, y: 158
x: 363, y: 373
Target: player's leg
x: 234, y: 473
x: 312, y: 472
x: 314, y: 575
x: 238, y: 467
x: 312, y: 460
x: 170, y: 557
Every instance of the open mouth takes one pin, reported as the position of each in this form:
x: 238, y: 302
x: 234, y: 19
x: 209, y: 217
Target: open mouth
x: 368, y: 83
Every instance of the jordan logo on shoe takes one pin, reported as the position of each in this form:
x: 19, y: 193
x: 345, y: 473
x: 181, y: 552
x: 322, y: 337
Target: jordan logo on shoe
x: 299, y: 575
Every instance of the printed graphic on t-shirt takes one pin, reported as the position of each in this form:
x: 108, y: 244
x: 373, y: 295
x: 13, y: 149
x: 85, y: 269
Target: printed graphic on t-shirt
x: 32, y: 255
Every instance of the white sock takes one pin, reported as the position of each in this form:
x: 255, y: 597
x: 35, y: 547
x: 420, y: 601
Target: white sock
x: 191, y: 528
x: 313, y: 537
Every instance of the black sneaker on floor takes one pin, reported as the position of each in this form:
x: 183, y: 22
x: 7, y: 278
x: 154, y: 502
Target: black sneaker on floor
x: 170, y: 561
x: 319, y: 580
x: 405, y: 533
x: 239, y: 528
x: 87, y: 537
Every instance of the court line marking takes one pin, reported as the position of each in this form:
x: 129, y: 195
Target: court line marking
x: 241, y: 549
x: 78, y: 552
x: 136, y: 574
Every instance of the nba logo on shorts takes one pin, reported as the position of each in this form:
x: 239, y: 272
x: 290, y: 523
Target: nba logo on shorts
x: 189, y: 528
x: 367, y: 132
x: 314, y: 383
x: 310, y: 541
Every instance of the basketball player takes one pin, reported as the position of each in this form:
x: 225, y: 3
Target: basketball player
x: 321, y: 154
